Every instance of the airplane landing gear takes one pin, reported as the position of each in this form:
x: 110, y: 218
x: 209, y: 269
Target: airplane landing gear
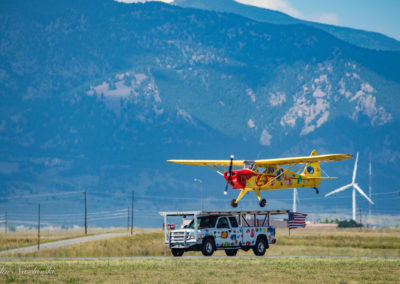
x: 316, y: 190
x: 233, y: 203
x: 262, y: 202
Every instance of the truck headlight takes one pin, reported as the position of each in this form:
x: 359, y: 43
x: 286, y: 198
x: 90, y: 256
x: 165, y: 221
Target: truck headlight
x: 190, y: 236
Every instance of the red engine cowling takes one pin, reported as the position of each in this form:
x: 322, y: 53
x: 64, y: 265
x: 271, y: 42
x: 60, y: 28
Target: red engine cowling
x: 239, y: 178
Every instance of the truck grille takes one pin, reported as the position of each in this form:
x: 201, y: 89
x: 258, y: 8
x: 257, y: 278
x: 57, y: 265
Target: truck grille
x: 177, y: 237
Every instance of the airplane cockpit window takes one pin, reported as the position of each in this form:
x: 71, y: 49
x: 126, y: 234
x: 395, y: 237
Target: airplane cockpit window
x: 261, y: 169
x: 271, y: 170
x: 249, y: 165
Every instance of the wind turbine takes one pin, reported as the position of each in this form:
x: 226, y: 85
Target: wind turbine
x: 295, y: 198
x: 355, y: 187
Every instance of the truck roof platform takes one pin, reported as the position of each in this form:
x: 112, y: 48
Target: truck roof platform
x: 229, y: 212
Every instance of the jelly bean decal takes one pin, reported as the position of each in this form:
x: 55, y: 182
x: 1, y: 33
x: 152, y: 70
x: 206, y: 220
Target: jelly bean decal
x: 299, y: 180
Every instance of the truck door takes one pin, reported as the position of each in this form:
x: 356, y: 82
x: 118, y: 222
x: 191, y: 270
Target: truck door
x: 249, y: 233
x: 223, y: 232
x: 236, y: 235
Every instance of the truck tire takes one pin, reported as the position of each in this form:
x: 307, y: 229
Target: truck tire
x: 177, y: 252
x: 208, y: 247
x: 231, y: 252
x: 260, y: 247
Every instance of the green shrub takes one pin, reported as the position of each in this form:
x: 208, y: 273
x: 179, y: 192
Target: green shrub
x: 349, y: 224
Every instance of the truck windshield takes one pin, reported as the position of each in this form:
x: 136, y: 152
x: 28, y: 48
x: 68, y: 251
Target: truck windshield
x: 204, y: 222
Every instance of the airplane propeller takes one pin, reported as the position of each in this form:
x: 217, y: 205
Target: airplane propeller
x: 229, y: 176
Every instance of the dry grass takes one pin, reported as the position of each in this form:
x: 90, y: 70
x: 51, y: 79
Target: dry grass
x: 300, y: 243
x: 141, y: 244
x: 205, y: 270
x: 27, y: 238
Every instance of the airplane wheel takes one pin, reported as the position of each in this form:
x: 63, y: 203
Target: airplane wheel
x: 233, y: 203
x: 263, y: 202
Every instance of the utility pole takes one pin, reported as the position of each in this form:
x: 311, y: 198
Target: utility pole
x: 5, y: 224
x: 127, y: 225
x: 38, y: 227
x: 133, y: 198
x: 85, y: 215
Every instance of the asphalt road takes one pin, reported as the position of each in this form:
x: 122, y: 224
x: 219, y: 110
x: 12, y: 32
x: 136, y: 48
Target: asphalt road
x: 62, y: 243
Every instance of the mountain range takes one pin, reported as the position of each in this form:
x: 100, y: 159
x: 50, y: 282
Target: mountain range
x: 97, y: 95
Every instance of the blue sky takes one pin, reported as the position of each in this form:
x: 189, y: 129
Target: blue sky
x: 373, y: 15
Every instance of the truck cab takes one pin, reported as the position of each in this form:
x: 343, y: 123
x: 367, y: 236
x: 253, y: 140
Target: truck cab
x: 221, y: 230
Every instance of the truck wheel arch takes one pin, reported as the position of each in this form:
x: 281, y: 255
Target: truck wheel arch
x: 203, y: 246
x: 265, y: 239
x: 261, y: 245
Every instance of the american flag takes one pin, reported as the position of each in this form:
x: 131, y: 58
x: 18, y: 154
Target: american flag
x: 296, y: 220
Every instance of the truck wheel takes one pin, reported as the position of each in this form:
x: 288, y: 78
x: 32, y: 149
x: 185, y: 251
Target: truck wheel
x: 208, y: 247
x: 231, y: 252
x: 177, y: 252
x: 260, y: 247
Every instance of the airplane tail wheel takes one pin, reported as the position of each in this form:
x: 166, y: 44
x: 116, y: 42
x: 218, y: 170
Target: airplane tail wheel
x: 233, y: 203
x: 263, y: 202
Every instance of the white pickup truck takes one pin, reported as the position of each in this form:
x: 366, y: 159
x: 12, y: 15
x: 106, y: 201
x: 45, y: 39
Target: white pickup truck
x: 221, y: 230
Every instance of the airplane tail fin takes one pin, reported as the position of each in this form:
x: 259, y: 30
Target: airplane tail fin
x: 313, y: 170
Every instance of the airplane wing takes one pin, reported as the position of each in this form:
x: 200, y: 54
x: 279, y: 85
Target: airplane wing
x: 304, y: 160
x: 217, y: 163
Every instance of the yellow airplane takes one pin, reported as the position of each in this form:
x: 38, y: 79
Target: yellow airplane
x: 269, y: 174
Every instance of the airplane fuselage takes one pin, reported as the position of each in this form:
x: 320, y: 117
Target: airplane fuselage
x: 274, y: 178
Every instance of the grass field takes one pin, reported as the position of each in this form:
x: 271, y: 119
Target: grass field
x: 204, y: 270
x: 382, y: 266
x: 302, y: 242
